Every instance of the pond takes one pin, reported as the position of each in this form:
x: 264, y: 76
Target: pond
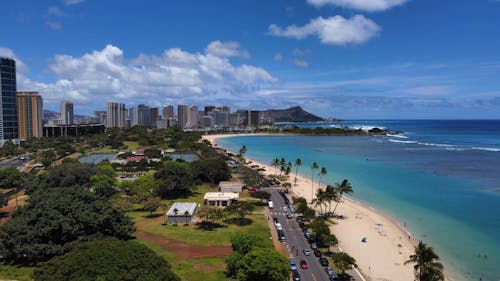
x: 96, y: 158
x: 187, y: 156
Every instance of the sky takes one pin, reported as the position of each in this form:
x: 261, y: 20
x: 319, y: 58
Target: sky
x: 350, y: 59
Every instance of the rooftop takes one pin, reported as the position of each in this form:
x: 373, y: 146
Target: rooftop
x: 221, y: 195
x: 182, y: 208
x: 231, y: 184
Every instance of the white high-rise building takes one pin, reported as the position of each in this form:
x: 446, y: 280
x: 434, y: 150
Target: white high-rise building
x: 115, y: 115
x: 67, y: 117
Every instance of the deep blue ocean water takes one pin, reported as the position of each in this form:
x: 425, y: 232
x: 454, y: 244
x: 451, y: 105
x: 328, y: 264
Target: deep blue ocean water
x: 441, y: 178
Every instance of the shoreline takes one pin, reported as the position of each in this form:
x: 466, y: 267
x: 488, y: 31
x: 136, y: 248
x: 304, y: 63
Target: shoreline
x: 385, y: 234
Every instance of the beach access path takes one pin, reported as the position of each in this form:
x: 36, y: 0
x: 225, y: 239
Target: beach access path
x: 387, y: 246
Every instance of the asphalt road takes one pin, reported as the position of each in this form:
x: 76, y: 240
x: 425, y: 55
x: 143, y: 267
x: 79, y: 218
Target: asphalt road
x: 12, y: 162
x: 296, y: 242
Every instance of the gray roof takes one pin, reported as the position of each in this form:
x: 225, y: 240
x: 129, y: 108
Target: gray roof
x: 182, y: 208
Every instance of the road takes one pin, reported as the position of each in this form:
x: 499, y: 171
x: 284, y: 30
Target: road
x: 296, y: 242
x: 12, y: 162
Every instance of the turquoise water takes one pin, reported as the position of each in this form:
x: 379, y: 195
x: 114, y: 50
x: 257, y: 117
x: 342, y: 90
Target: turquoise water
x: 96, y: 158
x: 458, y: 213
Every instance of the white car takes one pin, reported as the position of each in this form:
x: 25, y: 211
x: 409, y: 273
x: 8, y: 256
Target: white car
x: 285, y: 208
x: 279, y: 226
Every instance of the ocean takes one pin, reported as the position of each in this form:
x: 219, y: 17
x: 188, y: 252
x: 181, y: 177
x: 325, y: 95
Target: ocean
x: 441, y: 178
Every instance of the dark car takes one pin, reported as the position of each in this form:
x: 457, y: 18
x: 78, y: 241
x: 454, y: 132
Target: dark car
x: 323, y: 261
x: 314, y: 246
x: 330, y: 272
x: 343, y: 277
x: 304, y: 264
x: 289, y: 216
x: 317, y: 252
x: 275, y: 219
x: 307, y: 234
x: 295, y: 275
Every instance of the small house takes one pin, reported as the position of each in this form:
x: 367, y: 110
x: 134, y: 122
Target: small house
x: 181, y: 212
x: 230, y: 186
x: 221, y: 199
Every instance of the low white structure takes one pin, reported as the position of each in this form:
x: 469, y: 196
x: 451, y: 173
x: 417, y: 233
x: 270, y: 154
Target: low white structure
x: 221, y: 199
x: 181, y: 212
x: 230, y: 186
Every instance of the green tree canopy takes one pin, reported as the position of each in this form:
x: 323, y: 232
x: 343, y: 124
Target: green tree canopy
x: 211, y: 170
x: 176, y: 180
x: 107, y: 260
x: 241, y: 209
x: 263, y: 264
x: 57, y: 219
x: 427, y: 266
x: 245, y: 242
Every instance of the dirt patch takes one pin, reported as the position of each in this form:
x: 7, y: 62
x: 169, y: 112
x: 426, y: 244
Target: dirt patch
x: 6, y: 211
x: 186, y: 251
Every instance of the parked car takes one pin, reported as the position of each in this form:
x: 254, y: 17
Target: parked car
x: 314, y: 246
x: 330, y: 272
x: 317, y: 252
x: 306, y: 252
x: 307, y: 234
x: 292, y: 209
x: 285, y: 209
x: 252, y: 189
x: 279, y: 226
x: 343, y: 277
x: 275, y: 220
x: 295, y: 275
x: 289, y: 216
x: 304, y: 264
x: 323, y: 261
x: 293, y: 265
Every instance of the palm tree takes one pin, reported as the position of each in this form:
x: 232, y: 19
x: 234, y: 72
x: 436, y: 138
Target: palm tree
x: 243, y: 150
x: 320, y: 200
x: 282, y: 163
x: 427, y: 267
x: 186, y: 215
x: 275, y: 163
x: 298, y: 163
x: 331, y: 195
x: 313, y: 167
x: 344, y: 187
x: 322, y: 173
x: 176, y: 211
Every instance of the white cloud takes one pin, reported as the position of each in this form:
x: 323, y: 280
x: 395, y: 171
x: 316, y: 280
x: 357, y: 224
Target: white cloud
x: 54, y: 25
x: 226, y: 49
x: 20, y: 66
x: 335, y: 30
x: 301, y: 62
x: 278, y: 57
x: 363, y: 5
x: 176, y: 76
x: 55, y: 11
x: 73, y: 2
x: 300, y: 52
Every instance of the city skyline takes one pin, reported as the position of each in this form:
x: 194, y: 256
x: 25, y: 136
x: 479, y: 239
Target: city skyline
x: 370, y: 59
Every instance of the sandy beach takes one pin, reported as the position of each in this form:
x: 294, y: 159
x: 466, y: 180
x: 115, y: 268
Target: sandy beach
x: 388, y: 245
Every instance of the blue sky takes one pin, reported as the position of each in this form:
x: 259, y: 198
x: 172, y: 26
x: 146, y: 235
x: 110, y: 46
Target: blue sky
x: 337, y: 58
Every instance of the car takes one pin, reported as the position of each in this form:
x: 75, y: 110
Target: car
x: 292, y: 209
x: 275, y: 220
x: 295, y: 275
x: 279, y: 226
x: 293, y: 265
x: 323, y: 261
x: 317, y: 253
x: 330, y: 272
x: 300, y: 218
x: 307, y: 234
x: 343, y: 277
x: 304, y: 264
x: 252, y: 189
x: 289, y: 216
x: 285, y: 209
x: 306, y: 252
x: 314, y: 246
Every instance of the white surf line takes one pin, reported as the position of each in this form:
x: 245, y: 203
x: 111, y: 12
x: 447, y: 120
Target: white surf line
x: 355, y: 269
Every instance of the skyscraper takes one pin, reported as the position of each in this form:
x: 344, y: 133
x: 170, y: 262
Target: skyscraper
x: 8, y: 101
x: 67, y: 117
x: 183, y: 116
x: 29, y: 114
x: 115, y: 115
x: 168, y: 111
x: 193, y: 116
x: 154, y: 115
x: 101, y: 116
x: 141, y: 116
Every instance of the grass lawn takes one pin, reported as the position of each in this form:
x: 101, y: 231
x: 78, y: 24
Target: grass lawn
x: 10, y: 272
x: 131, y: 145
x: 194, y: 269
x: 106, y: 149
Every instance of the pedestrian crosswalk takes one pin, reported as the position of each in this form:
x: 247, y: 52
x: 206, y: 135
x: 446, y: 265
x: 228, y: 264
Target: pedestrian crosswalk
x: 278, y: 213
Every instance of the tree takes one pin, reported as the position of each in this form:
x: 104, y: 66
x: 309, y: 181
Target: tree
x: 210, y: 216
x: 176, y: 180
x: 261, y: 195
x: 298, y: 163
x: 332, y: 241
x: 57, y: 219
x: 308, y: 213
x: 300, y: 204
x: 275, y: 163
x: 427, y: 267
x: 103, y: 185
x: 344, y: 187
x: 186, y: 216
x: 263, y: 264
x: 211, y: 170
x: 152, y: 204
x: 107, y: 260
x: 320, y: 200
x: 321, y: 230
x: 69, y: 173
x: 321, y: 174
x: 245, y: 242
x: 331, y: 195
x: 314, y: 167
x: 243, y: 150
x: 343, y: 261
x: 241, y: 209
x: 46, y: 157
x: 152, y: 153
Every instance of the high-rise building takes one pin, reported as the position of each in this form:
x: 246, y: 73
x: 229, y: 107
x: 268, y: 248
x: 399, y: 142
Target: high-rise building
x: 193, y: 116
x: 182, y: 116
x: 168, y: 111
x: 234, y: 119
x: 29, y: 114
x: 8, y: 101
x: 101, y: 116
x: 141, y: 116
x: 67, y: 117
x: 154, y: 115
x: 115, y: 115
x: 220, y: 118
